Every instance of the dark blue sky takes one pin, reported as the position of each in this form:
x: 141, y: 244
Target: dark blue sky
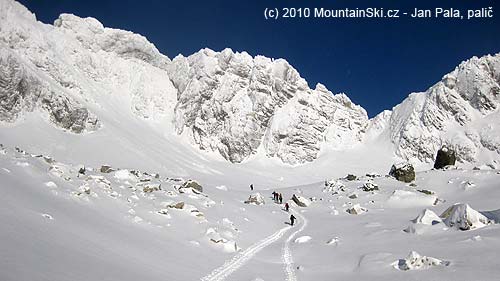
x: 376, y: 62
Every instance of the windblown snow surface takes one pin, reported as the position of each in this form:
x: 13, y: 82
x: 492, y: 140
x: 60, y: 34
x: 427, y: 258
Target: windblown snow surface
x: 101, y: 134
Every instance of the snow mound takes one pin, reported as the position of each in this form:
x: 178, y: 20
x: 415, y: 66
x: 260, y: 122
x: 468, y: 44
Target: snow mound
x: 303, y: 239
x: 403, y: 199
x: 415, y: 261
x: 463, y: 217
x: 427, y: 217
x: 423, y: 221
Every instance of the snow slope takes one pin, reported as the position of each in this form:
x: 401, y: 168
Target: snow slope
x: 126, y: 224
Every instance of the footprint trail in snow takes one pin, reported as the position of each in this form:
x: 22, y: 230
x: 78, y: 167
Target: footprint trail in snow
x: 286, y: 256
x: 243, y: 257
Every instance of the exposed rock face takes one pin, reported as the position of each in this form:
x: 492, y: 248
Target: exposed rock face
x: 21, y: 91
x: 403, y: 172
x: 232, y: 103
x: 445, y: 157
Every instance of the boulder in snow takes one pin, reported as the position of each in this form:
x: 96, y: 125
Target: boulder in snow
x: 256, y: 199
x: 415, y: 261
x: 351, y: 177
x: 196, y: 187
x: 301, y: 201
x: 445, y: 157
x: 463, y: 217
x: 403, y: 172
x: 356, y: 210
x: 369, y: 186
x: 106, y: 169
x: 178, y: 205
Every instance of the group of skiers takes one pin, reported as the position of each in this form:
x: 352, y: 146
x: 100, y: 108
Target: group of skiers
x: 278, y: 198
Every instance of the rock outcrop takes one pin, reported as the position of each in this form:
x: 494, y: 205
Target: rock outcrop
x: 233, y: 103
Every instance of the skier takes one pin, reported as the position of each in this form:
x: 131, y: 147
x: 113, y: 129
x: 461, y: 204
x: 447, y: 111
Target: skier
x: 251, y: 187
x: 292, y: 219
x: 287, y: 206
x: 274, y: 195
x: 281, y: 198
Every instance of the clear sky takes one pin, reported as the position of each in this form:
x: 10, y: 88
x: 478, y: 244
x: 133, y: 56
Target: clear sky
x: 376, y: 62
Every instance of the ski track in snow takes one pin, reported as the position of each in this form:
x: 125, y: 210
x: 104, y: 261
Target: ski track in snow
x: 287, y: 257
x: 243, y: 257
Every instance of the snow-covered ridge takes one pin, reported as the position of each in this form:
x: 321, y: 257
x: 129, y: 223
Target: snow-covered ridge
x: 460, y: 111
x: 83, y: 76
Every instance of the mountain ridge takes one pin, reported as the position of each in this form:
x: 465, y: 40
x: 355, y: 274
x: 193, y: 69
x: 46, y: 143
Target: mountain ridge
x: 229, y: 102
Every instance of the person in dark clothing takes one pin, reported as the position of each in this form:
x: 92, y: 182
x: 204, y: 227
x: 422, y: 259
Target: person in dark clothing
x: 274, y: 195
x: 281, y: 198
x: 251, y: 187
x: 292, y: 219
x: 287, y: 206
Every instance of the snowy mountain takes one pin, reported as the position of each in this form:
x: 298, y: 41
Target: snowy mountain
x: 75, y: 72
x: 233, y: 103
x: 460, y: 111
